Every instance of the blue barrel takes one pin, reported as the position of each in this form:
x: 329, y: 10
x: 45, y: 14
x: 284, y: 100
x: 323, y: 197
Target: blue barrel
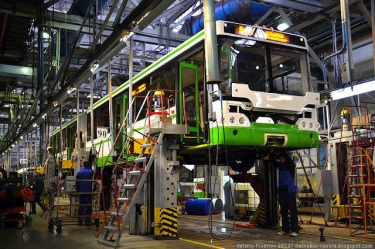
x: 218, y: 205
x: 198, y: 206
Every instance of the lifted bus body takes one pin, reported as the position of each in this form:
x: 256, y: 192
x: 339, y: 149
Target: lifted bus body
x: 264, y: 98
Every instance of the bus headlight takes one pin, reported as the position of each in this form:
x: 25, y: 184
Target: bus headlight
x: 232, y: 120
x: 303, y: 124
x: 241, y: 120
x: 311, y: 125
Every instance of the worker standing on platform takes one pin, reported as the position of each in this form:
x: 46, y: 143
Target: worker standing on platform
x: 84, y: 185
x: 287, y: 191
x: 38, y: 189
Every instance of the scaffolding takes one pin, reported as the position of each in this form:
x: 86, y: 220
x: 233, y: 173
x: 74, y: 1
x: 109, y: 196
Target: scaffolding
x: 356, y: 156
x: 349, y: 160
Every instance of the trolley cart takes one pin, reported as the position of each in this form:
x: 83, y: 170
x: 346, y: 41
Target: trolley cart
x: 65, y: 211
x: 12, y: 204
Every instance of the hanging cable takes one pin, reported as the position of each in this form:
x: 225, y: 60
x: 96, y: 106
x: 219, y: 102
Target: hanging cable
x: 210, y: 221
x: 70, y: 54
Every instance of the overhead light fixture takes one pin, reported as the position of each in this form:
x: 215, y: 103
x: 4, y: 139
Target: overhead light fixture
x: 55, y: 103
x: 126, y: 35
x: 94, y: 66
x: 282, y: 26
x: 44, y: 116
x: 21, y: 137
x: 357, y: 89
x: 71, y: 89
x: 45, y: 35
x: 34, y: 125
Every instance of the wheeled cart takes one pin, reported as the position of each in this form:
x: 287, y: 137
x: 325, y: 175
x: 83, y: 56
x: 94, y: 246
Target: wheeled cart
x: 65, y: 211
x: 12, y: 203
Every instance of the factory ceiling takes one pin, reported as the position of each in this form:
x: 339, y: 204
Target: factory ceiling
x: 76, y: 35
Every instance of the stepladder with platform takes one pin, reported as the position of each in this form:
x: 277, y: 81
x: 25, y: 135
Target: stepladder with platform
x: 140, y: 200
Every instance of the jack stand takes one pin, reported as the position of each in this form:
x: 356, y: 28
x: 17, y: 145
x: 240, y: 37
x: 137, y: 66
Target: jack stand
x: 322, y: 238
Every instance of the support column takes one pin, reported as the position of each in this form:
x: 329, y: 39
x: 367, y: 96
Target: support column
x: 92, y: 111
x: 347, y: 38
x: 77, y: 165
x: 130, y: 116
x: 41, y: 98
x: 110, y: 102
x: 270, y: 189
x: 166, y: 177
x: 334, y: 41
x: 211, y: 54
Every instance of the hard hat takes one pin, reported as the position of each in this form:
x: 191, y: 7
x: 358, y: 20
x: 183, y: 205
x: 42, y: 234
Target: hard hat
x: 159, y: 92
x: 344, y: 111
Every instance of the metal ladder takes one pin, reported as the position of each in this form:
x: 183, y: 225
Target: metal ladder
x: 128, y: 195
x: 356, y: 177
x: 136, y: 169
x: 361, y: 187
x: 129, y: 191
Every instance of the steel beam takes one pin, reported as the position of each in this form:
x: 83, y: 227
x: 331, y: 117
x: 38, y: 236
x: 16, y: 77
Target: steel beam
x: 17, y: 71
x: 105, y: 52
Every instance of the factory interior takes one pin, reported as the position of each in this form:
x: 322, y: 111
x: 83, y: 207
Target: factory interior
x: 187, y: 124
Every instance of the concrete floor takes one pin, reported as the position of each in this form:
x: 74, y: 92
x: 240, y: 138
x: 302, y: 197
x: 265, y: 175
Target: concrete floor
x: 193, y: 232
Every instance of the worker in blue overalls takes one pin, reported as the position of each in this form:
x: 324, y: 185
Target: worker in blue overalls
x: 287, y: 191
x: 84, y: 184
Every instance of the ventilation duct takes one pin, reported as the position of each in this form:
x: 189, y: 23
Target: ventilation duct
x: 228, y: 10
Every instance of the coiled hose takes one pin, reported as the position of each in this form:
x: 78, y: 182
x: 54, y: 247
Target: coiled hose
x: 27, y: 194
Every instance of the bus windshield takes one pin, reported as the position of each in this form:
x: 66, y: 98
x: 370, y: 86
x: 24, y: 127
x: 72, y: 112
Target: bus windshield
x: 264, y: 67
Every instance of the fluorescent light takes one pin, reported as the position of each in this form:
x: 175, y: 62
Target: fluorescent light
x: 282, y: 26
x: 45, y: 35
x: 71, y: 89
x: 357, y: 89
x: 126, y: 36
x: 94, y: 66
x: 189, y: 166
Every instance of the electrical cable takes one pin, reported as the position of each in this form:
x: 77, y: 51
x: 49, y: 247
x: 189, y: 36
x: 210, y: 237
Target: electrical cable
x: 70, y: 53
x: 210, y: 221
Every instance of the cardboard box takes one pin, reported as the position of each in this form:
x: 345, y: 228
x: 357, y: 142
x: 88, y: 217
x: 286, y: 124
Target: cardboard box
x: 66, y: 164
x: 363, y: 120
